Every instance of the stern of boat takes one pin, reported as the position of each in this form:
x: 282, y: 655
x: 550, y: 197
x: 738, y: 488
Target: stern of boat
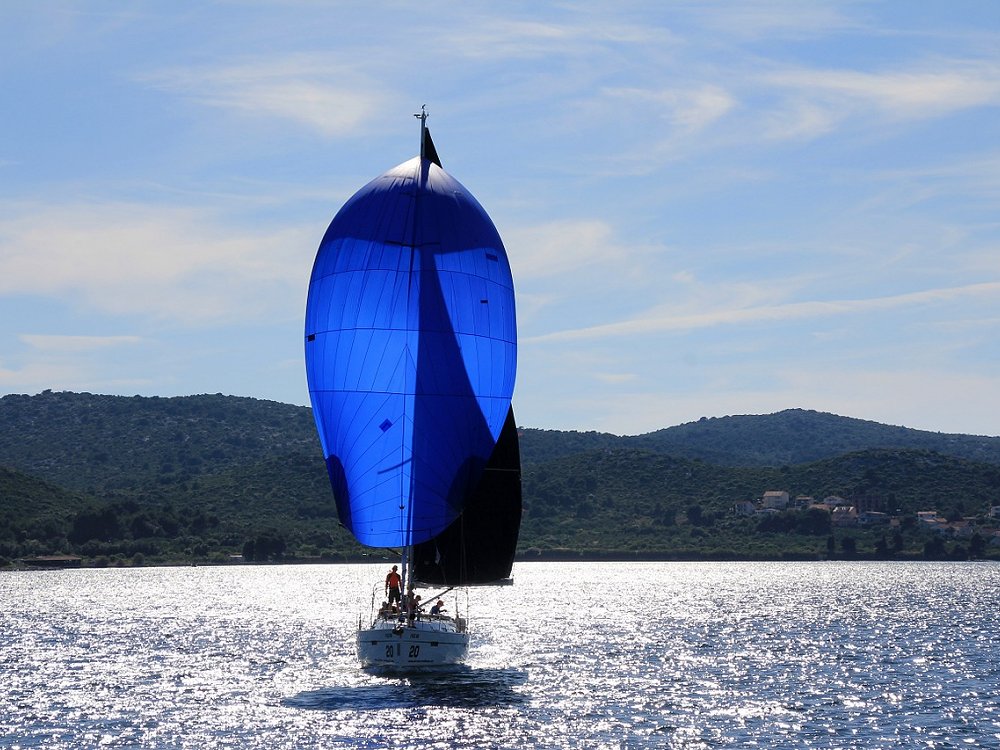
x: 428, y: 642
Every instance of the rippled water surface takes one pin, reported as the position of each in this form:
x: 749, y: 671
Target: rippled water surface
x: 671, y: 655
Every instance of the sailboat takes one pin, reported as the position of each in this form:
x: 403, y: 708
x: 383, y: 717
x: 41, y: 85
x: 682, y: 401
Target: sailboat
x: 411, y: 352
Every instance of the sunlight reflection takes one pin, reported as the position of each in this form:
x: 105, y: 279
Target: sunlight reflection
x: 711, y: 655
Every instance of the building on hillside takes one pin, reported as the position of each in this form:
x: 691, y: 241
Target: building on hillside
x: 776, y: 499
x: 844, y: 515
x: 872, y: 518
x: 995, y: 511
x: 835, y: 501
x: 745, y: 508
x: 963, y: 529
x: 974, y: 523
x: 803, y: 501
x: 866, y: 503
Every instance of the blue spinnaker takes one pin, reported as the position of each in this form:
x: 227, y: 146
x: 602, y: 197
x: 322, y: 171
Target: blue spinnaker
x: 410, y: 352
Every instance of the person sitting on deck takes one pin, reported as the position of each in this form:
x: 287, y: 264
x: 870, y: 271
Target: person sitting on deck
x: 413, y: 607
x: 438, y: 608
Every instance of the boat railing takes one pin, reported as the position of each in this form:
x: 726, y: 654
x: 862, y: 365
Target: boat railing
x: 420, y: 617
x: 378, y: 614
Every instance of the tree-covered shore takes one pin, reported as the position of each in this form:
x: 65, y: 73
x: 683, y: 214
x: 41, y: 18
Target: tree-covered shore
x: 217, y: 479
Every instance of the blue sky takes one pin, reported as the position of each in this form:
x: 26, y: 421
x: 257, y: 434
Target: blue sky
x: 710, y: 208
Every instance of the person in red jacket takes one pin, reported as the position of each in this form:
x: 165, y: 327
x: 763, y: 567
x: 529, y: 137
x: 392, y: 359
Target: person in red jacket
x: 392, y: 586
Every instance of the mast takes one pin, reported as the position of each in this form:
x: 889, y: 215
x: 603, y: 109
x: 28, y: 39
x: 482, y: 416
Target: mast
x: 422, y: 116
x: 408, y: 559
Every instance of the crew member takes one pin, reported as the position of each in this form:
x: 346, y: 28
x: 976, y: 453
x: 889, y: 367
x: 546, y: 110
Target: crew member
x: 393, y: 582
x: 413, y: 608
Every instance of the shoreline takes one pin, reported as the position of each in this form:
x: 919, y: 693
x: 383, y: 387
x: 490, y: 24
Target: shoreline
x: 611, y: 556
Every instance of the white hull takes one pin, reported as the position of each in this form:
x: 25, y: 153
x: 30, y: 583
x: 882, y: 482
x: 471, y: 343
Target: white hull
x: 429, y: 642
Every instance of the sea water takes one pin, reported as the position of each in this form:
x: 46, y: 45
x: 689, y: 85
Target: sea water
x: 585, y: 655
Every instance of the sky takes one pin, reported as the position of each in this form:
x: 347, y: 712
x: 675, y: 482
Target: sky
x: 710, y: 208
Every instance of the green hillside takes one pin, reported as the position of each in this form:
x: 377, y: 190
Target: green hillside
x: 112, y: 443
x: 642, y: 502
x: 796, y: 436
x: 33, y: 512
x: 788, y: 437
x: 207, y: 477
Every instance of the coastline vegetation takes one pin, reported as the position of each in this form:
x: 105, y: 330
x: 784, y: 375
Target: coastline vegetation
x: 219, y: 479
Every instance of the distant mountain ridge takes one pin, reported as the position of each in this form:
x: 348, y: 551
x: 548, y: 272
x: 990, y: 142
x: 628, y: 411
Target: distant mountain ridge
x: 94, y: 442
x: 797, y: 436
x: 785, y: 438
x: 201, y: 477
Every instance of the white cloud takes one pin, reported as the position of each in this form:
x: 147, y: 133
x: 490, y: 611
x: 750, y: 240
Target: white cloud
x: 66, y: 362
x: 659, y: 321
x: 823, y: 98
x: 315, y: 91
x: 924, y: 398
x: 615, y: 377
x: 498, y: 37
x: 44, y: 342
x: 755, y: 19
x: 165, y: 262
x: 687, y: 109
x: 36, y: 376
x: 559, y: 246
x: 921, y: 399
x: 800, y: 120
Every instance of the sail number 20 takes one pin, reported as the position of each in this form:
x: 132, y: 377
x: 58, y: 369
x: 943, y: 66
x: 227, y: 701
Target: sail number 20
x: 394, y: 650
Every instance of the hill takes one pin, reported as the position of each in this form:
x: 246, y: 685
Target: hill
x: 787, y: 437
x: 205, y: 477
x: 642, y: 502
x: 34, y: 508
x: 175, y: 478
x: 105, y: 444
